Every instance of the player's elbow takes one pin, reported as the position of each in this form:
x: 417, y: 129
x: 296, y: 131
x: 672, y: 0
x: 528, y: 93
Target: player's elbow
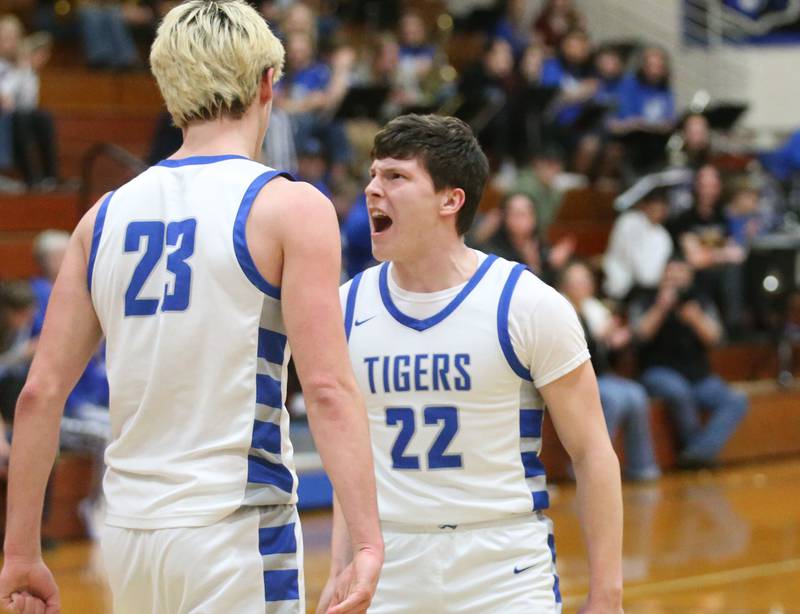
x: 329, y: 397
x: 596, y: 454
x: 39, y: 394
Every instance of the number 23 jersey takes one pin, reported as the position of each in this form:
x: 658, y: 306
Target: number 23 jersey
x: 450, y: 380
x: 196, y: 348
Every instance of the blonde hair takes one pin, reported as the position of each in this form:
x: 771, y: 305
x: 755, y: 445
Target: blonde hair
x: 209, y: 56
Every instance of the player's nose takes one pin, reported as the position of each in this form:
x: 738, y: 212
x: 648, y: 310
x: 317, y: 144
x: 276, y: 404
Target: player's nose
x: 373, y: 189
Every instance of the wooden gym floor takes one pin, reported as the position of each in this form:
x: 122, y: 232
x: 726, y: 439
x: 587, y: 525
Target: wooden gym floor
x: 705, y: 542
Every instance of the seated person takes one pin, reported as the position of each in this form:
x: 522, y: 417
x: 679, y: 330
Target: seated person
x: 702, y: 236
x: 638, y: 248
x: 518, y: 239
x: 625, y: 403
x: 675, y: 326
x: 17, y: 312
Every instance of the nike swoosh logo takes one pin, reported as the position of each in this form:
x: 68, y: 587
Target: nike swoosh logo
x: 520, y: 570
x: 360, y: 322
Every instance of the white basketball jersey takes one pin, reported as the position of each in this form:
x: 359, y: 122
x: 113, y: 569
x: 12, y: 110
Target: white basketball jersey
x: 454, y: 414
x: 196, y: 348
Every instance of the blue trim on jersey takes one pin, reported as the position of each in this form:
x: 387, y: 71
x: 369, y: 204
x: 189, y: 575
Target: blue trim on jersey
x: 277, y: 540
x: 541, y: 499
x: 350, y: 305
x: 266, y: 436
x: 271, y: 346
x: 502, y: 324
x: 268, y: 391
x: 421, y: 325
x: 281, y: 585
x: 192, y: 160
x: 551, y: 543
x: 99, y: 222
x: 262, y: 471
x: 530, y: 422
x: 240, y: 237
x: 532, y: 465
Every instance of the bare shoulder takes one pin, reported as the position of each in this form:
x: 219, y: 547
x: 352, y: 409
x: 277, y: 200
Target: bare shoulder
x: 84, y: 231
x: 291, y: 202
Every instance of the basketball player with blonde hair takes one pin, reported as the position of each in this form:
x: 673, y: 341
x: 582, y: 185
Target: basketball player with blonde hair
x: 201, y: 273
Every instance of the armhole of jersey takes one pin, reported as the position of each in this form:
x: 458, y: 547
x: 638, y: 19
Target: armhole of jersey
x: 502, y: 324
x: 99, y: 221
x: 350, y: 305
x: 240, y: 236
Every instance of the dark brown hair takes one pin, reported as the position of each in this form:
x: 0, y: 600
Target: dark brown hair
x: 447, y: 150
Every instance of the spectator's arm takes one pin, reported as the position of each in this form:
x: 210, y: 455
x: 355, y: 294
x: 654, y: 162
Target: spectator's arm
x: 313, y: 101
x: 697, y: 254
x: 704, y: 326
x: 343, y: 61
x: 649, y: 323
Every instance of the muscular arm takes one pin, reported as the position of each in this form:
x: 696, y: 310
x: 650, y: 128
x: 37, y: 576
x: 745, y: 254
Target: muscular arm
x: 70, y: 335
x: 304, y: 223
x: 574, y: 404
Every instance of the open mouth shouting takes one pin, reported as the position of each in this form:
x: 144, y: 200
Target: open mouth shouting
x: 380, y: 221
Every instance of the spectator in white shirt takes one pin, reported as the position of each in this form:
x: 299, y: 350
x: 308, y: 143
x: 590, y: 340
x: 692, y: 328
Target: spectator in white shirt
x: 639, y: 247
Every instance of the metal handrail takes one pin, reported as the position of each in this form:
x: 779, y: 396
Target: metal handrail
x: 116, y: 153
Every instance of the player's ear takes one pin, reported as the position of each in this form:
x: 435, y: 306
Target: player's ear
x: 265, y: 87
x: 453, y: 201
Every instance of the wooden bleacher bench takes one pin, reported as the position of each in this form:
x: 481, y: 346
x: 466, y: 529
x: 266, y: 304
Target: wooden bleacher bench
x: 588, y: 215
x: 770, y: 429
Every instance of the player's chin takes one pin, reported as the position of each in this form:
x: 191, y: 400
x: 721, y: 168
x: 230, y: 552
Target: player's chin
x: 381, y: 251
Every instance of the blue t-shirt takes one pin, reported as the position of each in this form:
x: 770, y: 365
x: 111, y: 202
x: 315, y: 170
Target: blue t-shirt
x: 639, y: 99
x: 555, y: 74
x: 356, y: 238
x: 92, y: 387
x: 423, y: 51
x: 313, y: 78
x: 784, y: 161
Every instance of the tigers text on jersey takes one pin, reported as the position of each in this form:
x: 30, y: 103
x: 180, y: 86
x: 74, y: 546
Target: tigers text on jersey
x: 450, y: 381
x: 196, y: 348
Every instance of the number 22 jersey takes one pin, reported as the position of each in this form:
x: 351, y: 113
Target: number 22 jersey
x: 450, y: 380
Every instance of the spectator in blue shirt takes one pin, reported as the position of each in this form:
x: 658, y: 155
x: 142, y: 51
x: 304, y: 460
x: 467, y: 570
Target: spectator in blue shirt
x: 310, y: 94
x: 356, y: 239
x: 784, y: 162
x: 646, y: 98
x: 514, y: 27
x: 609, y: 68
x: 572, y: 72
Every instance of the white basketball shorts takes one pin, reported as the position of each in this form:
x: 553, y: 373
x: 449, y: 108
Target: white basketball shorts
x: 505, y: 567
x: 249, y: 562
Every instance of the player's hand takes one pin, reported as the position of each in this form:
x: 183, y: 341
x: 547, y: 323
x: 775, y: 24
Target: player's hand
x: 326, y: 596
x: 356, y: 585
x: 28, y: 587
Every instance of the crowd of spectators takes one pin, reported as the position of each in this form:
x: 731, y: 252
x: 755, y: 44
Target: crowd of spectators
x: 27, y: 133
x: 553, y: 108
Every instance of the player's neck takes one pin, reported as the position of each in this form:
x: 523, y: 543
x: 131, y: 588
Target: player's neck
x: 218, y: 137
x: 436, y: 269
